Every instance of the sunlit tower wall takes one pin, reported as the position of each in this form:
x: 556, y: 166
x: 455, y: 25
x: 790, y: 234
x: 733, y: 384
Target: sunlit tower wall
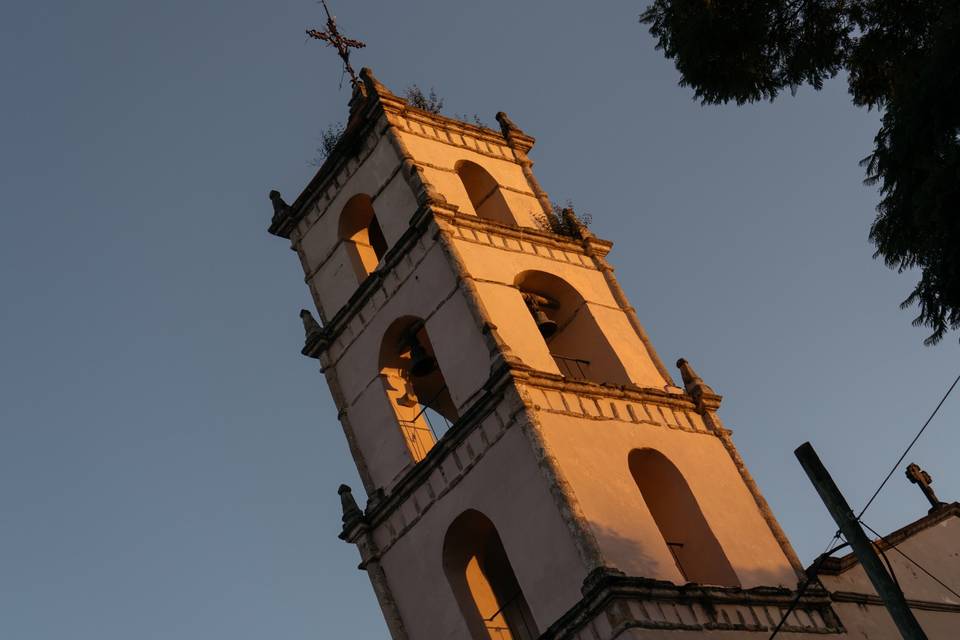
x: 531, y: 468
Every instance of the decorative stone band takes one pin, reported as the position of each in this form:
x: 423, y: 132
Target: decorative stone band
x: 836, y: 566
x: 503, y: 405
x: 453, y: 456
x: 519, y: 239
x: 614, y: 603
x: 449, y: 131
x: 870, y: 599
x: 553, y: 394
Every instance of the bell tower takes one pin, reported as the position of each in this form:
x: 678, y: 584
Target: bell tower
x: 531, y: 468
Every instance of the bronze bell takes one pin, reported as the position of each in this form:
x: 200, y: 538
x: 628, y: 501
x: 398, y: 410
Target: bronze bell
x: 421, y: 362
x: 546, y: 326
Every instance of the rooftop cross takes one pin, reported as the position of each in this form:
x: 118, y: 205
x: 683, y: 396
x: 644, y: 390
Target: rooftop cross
x: 338, y: 41
x: 918, y: 476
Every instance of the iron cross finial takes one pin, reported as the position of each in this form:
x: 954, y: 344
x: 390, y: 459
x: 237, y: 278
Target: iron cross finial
x: 918, y: 476
x: 338, y: 41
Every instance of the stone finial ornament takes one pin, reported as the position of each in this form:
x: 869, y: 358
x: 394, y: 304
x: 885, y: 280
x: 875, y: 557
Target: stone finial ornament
x: 507, y: 125
x: 919, y: 477
x: 518, y: 140
x: 283, y: 220
x: 699, y: 390
x: 280, y: 208
x: 691, y: 380
x: 351, y: 512
x: 572, y: 221
x: 312, y: 335
x: 311, y: 328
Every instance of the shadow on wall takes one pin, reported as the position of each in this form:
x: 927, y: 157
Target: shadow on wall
x: 484, y: 193
x: 618, y: 545
x: 686, y: 533
x: 615, y: 544
x: 483, y: 581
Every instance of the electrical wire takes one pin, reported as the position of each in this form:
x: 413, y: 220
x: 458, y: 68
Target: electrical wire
x: 890, y: 570
x: 907, y: 450
x: 802, y: 587
x: 815, y: 568
x: 911, y: 560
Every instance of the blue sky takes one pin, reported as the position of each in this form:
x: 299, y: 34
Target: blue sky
x: 169, y: 461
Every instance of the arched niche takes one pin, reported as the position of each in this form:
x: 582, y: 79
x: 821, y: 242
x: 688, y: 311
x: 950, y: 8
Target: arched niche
x: 361, y: 233
x: 484, y: 193
x: 575, y: 340
x: 415, y: 386
x: 695, y: 549
x: 483, y: 581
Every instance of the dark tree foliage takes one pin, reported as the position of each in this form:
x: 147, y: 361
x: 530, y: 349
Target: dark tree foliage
x: 328, y: 141
x: 472, y: 119
x: 427, y: 101
x: 902, y: 57
x: 563, y: 220
x: 433, y: 103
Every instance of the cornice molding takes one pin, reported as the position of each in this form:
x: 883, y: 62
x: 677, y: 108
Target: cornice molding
x: 450, y: 125
x: 877, y: 601
x: 545, y: 380
x: 503, y: 379
x: 625, y: 602
x: 593, y: 246
x: 550, y: 393
x: 836, y: 566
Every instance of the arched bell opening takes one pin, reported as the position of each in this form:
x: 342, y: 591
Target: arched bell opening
x: 361, y: 233
x: 695, y: 549
x: 415, y: 385
x: 483, y: 581
x: 484, y: 193
x: 570, y: 330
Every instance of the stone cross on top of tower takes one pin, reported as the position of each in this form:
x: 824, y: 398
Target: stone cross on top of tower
x: 338, y: 41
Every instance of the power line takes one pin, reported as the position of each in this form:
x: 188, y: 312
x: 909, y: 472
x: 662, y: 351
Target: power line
x: 815, y: 568
x: 914, y: 562
x: 907, y: 450
x: 802, y: 587
x: 890, y: 570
